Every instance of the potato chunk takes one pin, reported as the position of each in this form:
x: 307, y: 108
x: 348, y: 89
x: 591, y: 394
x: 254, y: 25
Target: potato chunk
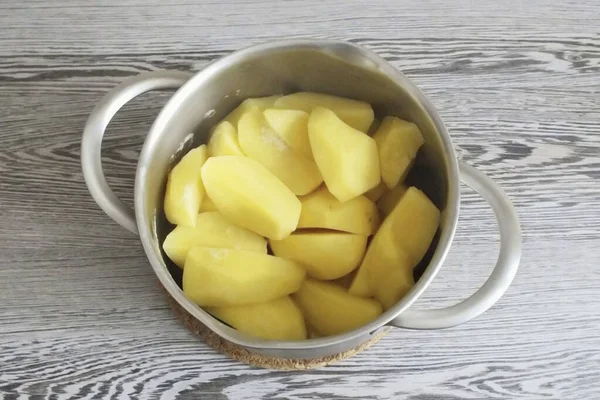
x: 224, y: 141
x: 211, y: 230
x: 225, y: 277
x: 256, y: 103
x: 185, y: 191
x: 398, y: 142
x: 260, y: 142
x: 279, y: 319
x: 401, y: 242
x: 321, y: 209
x: 346, y: 157
x: 250, y: 196
x: 292, y: 127
x: 387, y: 202
x: 324, y: 255
x: 331, y: 310
x: 357, y: 114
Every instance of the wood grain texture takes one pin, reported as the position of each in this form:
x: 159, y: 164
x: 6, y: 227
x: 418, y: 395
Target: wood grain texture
x: 518, y: 84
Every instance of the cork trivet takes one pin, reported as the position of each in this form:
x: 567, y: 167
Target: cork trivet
x: 258, y: 360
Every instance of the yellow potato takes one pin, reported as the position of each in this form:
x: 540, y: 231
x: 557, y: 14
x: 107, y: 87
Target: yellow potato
x: 292, y: 127
x: 211, y: 230
x: 250, y: 196
x: 392, y: 282
x: 225, y: 277
x: 260, y: 142
x: 321, y: 209
x: 346, y: 157
x: 398, y: 245
x: 324, y: 255
x: 331, y: 310
x: 360, y: 283
x: 357, y: 114
x: 207, y: 205
x: 185, y: 191
x: 389, y: 199
x: 279, y: 319
x: 398, y: 142
x: 257, y: 103
x: 375, y: 193
x: 224, y: 141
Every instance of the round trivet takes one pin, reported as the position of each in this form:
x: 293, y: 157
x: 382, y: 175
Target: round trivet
x: 258, y: 360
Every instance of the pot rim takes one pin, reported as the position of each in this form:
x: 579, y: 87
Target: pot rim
x: 147, y: 227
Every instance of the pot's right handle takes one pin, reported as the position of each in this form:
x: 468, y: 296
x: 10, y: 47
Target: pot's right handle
x: 91, y: 143
x: 502, y: 275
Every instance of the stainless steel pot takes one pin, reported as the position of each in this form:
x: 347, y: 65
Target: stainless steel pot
x: 333, y: 67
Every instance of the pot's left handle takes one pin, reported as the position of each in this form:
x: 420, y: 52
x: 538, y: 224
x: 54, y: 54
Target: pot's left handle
x: 91, y: 143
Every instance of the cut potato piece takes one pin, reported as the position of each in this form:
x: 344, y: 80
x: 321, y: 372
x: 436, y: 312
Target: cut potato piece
x: 401, y: 242
x: 185, y: 191
x: 331, y: 310
x: 357, y: 114
x: 250, y: 196
x: 292, y: 127
x: 360, y: 283
x: 257, y: 103
x: 393, y: 283
x: 398, y: 142
x: 324, y: 255
x: 389, y: 272
x: 224, y: 141
x: 375, y: 193
x: 346, y: 157
x: 260, y: 142
x: 390, y: 198
x: 321, y: 209
x: 207, y: 205
x: 225, y: 277
x: 211, y: 230
x: 279, y: 319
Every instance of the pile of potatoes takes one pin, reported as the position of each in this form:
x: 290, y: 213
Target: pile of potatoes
x: 293, y: 221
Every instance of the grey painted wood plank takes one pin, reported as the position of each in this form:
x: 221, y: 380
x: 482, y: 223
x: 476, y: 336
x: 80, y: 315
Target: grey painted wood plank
x: 518, y: 85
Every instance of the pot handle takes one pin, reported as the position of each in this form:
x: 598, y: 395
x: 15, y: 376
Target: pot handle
x: 91, y: 143
x: 502, y: 275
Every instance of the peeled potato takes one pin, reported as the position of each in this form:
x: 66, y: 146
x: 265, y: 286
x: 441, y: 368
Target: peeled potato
x: 279, y: 319
x: 321, y: 209
x: 224, y: 141
x: 225, y: 277
x: 250, y: 196
x: 324, y: 255
x: 185, y: 190
x: 260, y: 142
x: 257, y: 103
x: 292, y: 127
x: 392, y: 282
x: 357, y: 114
x: 389, y: 199
x: 347, y: 158
x: 331, y: 310
x: 398, y: 142
x: 346, y: 280
x: 401, y: 242
x: 207, y: 205
x: 211, y: 230
x: 360, y: 283
x: 375, y: 193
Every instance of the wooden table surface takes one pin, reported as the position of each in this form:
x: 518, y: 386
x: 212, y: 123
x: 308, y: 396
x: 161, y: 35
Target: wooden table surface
x: 518, y: 85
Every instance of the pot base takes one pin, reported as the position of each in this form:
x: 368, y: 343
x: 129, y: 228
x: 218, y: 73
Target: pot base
x: 239, y: 353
